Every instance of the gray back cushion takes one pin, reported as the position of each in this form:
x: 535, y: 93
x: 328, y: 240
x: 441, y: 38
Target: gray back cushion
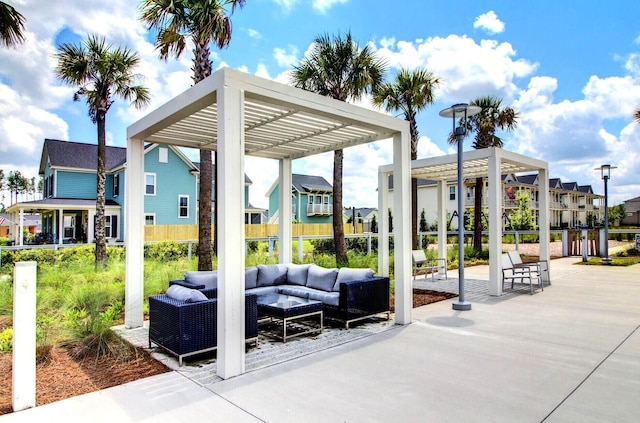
x: 297, y: 274
x: 346, y: 274
x: 187, y: 295
x: 208, y: 278
x: 321, y: 278
x: 272, y: 274
x: 250, y: 277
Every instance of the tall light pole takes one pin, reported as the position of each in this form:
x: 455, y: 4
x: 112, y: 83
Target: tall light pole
x: 463, y: 111
x: 605, y: 173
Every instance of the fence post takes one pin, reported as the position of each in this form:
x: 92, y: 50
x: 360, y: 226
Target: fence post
x: 369, y: 243
x: 189, y: 246
x: 24, y: 335
x: 300, y: 249
x: 517, y: 240
x: 565, y: 243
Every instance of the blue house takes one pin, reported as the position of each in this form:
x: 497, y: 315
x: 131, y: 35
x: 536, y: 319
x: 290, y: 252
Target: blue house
x: 68, y: 204
x: 311, y: 199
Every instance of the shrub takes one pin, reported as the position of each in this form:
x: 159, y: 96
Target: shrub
x: 6, y: 340
x: 166, y: 250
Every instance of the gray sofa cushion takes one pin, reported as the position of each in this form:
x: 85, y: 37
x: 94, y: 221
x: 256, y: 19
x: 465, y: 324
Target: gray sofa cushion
x: 296, y: 291
x: 250, y: 277
x: 272, y: 274
x: 321, y: 278
x: 208, y: 278
x: 330, y: 298
x: 297, y: 274
x: 187, y: 295
x: 346, y: 274
x: 263, y: 290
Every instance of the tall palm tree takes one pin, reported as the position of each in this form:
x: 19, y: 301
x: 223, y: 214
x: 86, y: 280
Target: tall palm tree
x: 636, y: 115
x: 11, y: 25
x: 337, y: 67
x: 411, y: 92
x: 492, y: 117
x: 202, y: 22
x: 101, y: 72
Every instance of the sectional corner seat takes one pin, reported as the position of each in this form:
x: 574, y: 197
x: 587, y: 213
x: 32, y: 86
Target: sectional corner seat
x: 347, y: 294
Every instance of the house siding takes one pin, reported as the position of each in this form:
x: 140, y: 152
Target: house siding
x: 75, y: 184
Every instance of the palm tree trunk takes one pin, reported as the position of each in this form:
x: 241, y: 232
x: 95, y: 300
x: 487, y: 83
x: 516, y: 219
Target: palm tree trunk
x: 342, y: 259
x: 477, y: 216
x: 413, y: 128
x: 101, y: 242
x: 204, y: 212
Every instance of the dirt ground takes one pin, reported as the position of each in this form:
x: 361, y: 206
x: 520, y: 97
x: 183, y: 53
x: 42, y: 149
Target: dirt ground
x: 64, y: 377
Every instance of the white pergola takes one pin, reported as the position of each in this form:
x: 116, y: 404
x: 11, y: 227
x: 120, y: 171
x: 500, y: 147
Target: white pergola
x: 488, y: 162
x: 238, y: 114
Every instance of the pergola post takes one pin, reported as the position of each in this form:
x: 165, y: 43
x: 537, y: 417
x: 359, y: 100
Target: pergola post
x: 383, y: 223
x: 442, y: 218
x: 543, y: 218
x: 495, y: 227
x: 231, y: 253
x: 402, y: 228
x: 134, y: 235
x: 285, y: 218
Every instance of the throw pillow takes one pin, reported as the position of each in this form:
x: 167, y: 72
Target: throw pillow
x: 297, y: 274
x: 321, y: 278
x: 250, y: 277
x: 272, y: 274
x: 346, y: 274
x: 208, y: 278
x: 187, y: 295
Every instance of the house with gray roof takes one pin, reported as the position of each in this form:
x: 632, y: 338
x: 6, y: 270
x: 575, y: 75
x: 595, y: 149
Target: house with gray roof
x: 311, y: 199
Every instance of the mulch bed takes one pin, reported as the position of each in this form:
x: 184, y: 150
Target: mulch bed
x: 423, y: 297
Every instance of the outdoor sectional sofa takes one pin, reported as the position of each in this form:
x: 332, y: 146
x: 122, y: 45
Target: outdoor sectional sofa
x: 347, y: 294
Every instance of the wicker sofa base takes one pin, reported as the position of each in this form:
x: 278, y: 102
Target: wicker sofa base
x: 252, y: 341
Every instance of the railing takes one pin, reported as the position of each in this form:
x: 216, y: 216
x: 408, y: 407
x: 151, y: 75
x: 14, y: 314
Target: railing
x: 325, y: 209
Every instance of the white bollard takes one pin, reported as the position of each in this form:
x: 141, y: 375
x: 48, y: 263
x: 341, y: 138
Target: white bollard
x: 24, y: 335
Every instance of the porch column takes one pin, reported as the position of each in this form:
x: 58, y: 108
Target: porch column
x: 383, y: 223
x: 442, y: 218
x: 60, y: 225
x: 543, y: 218
x: 91, y: 238
x: 134, y: 235
x: 495, y: 227
x: 402, y: 227
x: 21, y: 228
x: 284, y: 199
x: 231, y: 259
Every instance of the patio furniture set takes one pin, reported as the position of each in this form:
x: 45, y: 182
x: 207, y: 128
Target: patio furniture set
x: 286, y: 300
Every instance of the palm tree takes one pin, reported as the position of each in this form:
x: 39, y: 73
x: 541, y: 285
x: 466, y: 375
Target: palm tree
x: 411, y: 92
x: 491, y: 118
x: 203, y: 22
x: 11, y: 25
x: 100, y: 72
x: 636, y: 115
x: 338, y: 68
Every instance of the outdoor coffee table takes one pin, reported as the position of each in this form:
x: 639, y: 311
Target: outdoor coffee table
x: 294, y: 313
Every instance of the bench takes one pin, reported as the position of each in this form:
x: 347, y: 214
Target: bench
x: 541, y: 267
x: 520, y: 274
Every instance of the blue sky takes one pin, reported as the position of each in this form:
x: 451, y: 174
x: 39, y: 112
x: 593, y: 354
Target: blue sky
x: 572, y: 70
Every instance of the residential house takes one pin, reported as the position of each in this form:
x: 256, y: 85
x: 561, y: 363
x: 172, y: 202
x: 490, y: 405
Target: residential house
x: 570, y: 204
x: 311, y: 199
x: 68, y: 206
x: 364, y: 216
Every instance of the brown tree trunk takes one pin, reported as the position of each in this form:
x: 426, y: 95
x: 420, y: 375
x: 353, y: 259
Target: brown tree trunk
x: 342, y: 259
x: 413, y: 128
x: 204, y: 212
x: 101, y: 242
x: 477, y: 216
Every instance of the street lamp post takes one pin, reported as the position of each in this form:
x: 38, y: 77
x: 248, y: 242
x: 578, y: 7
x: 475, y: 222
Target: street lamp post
x: 605, y: 173
x: 462, y: 111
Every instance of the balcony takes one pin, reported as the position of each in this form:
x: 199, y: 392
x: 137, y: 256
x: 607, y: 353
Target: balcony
x: 319, y: 209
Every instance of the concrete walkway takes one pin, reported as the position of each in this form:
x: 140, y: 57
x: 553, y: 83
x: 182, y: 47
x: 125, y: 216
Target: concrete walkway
x: 570, y: 353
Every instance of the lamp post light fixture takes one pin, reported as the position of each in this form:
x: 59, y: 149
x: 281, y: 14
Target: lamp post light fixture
x: 605, y: 173
x: 461, y: 110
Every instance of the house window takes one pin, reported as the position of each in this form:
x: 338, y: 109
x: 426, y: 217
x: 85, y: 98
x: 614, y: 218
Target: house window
x: 116, y: 184
x: 111, y: 226
x: 452, y: 193
x: 183, y: 206
x: 163, y: 155
x: 150, y: 183
x: 149, y: 219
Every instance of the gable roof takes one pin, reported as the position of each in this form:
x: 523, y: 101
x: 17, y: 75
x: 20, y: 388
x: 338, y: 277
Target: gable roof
x: 310, y: 183
x: 570, y: 186
x: 77, y: 155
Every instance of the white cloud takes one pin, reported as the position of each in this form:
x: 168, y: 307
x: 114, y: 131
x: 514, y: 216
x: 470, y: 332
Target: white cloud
x: 489, y: 22
x: 254, y: 34
x: 286, y: 58
x: 323, y: 6
x: 286, y: 5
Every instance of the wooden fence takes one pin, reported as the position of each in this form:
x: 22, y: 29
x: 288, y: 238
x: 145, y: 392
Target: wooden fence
x: 264, y: 230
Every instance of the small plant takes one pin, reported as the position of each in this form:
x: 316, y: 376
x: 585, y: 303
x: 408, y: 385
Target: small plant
x: 6, y: 340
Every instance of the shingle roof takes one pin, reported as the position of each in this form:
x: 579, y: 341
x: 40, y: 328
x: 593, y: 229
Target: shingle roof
x: 309, y: 183
x: 78, y: 155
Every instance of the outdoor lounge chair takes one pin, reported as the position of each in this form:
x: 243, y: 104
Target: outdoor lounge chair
x: 523, y: 274
x: 422, y: 263
x: 541, y: 268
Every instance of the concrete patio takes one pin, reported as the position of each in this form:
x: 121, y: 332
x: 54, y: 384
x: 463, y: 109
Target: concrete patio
x: 570, y: 353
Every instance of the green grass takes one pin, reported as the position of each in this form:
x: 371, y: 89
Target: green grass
x: 615, y: 261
